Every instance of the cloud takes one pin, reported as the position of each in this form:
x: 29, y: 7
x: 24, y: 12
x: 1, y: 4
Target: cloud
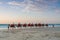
x: 35, y: 5
x: 15, y: 3
x: 54, y: 1
x: 57, y: 10
x: 28, y: 6
x: 1, y: 2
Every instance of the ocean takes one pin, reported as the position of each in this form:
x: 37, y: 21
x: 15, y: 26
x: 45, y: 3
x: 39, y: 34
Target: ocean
x: 3, y: 25
x: 50, y: 25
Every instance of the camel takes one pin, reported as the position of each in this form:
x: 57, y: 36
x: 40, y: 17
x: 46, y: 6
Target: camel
x: 11, y: 26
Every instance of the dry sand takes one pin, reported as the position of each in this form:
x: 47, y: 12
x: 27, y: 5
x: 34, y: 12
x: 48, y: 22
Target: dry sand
x: 29, y: 34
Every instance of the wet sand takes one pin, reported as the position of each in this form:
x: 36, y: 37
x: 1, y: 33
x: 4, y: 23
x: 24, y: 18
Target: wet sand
x: 30, y: 34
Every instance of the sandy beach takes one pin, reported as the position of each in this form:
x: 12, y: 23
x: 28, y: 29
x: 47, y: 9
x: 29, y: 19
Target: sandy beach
x: 30, y: 34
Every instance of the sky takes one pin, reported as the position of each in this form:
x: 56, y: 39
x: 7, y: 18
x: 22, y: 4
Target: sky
x: 29, y: 11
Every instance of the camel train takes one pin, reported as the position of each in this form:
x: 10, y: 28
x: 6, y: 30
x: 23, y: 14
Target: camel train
x: 12, y: 26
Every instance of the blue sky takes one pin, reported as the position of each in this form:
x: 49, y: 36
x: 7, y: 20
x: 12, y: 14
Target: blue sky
x: 27, y: 11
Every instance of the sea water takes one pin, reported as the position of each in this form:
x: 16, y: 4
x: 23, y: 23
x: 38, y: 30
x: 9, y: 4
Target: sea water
x: 3, y: 25
x: 56, y: 26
